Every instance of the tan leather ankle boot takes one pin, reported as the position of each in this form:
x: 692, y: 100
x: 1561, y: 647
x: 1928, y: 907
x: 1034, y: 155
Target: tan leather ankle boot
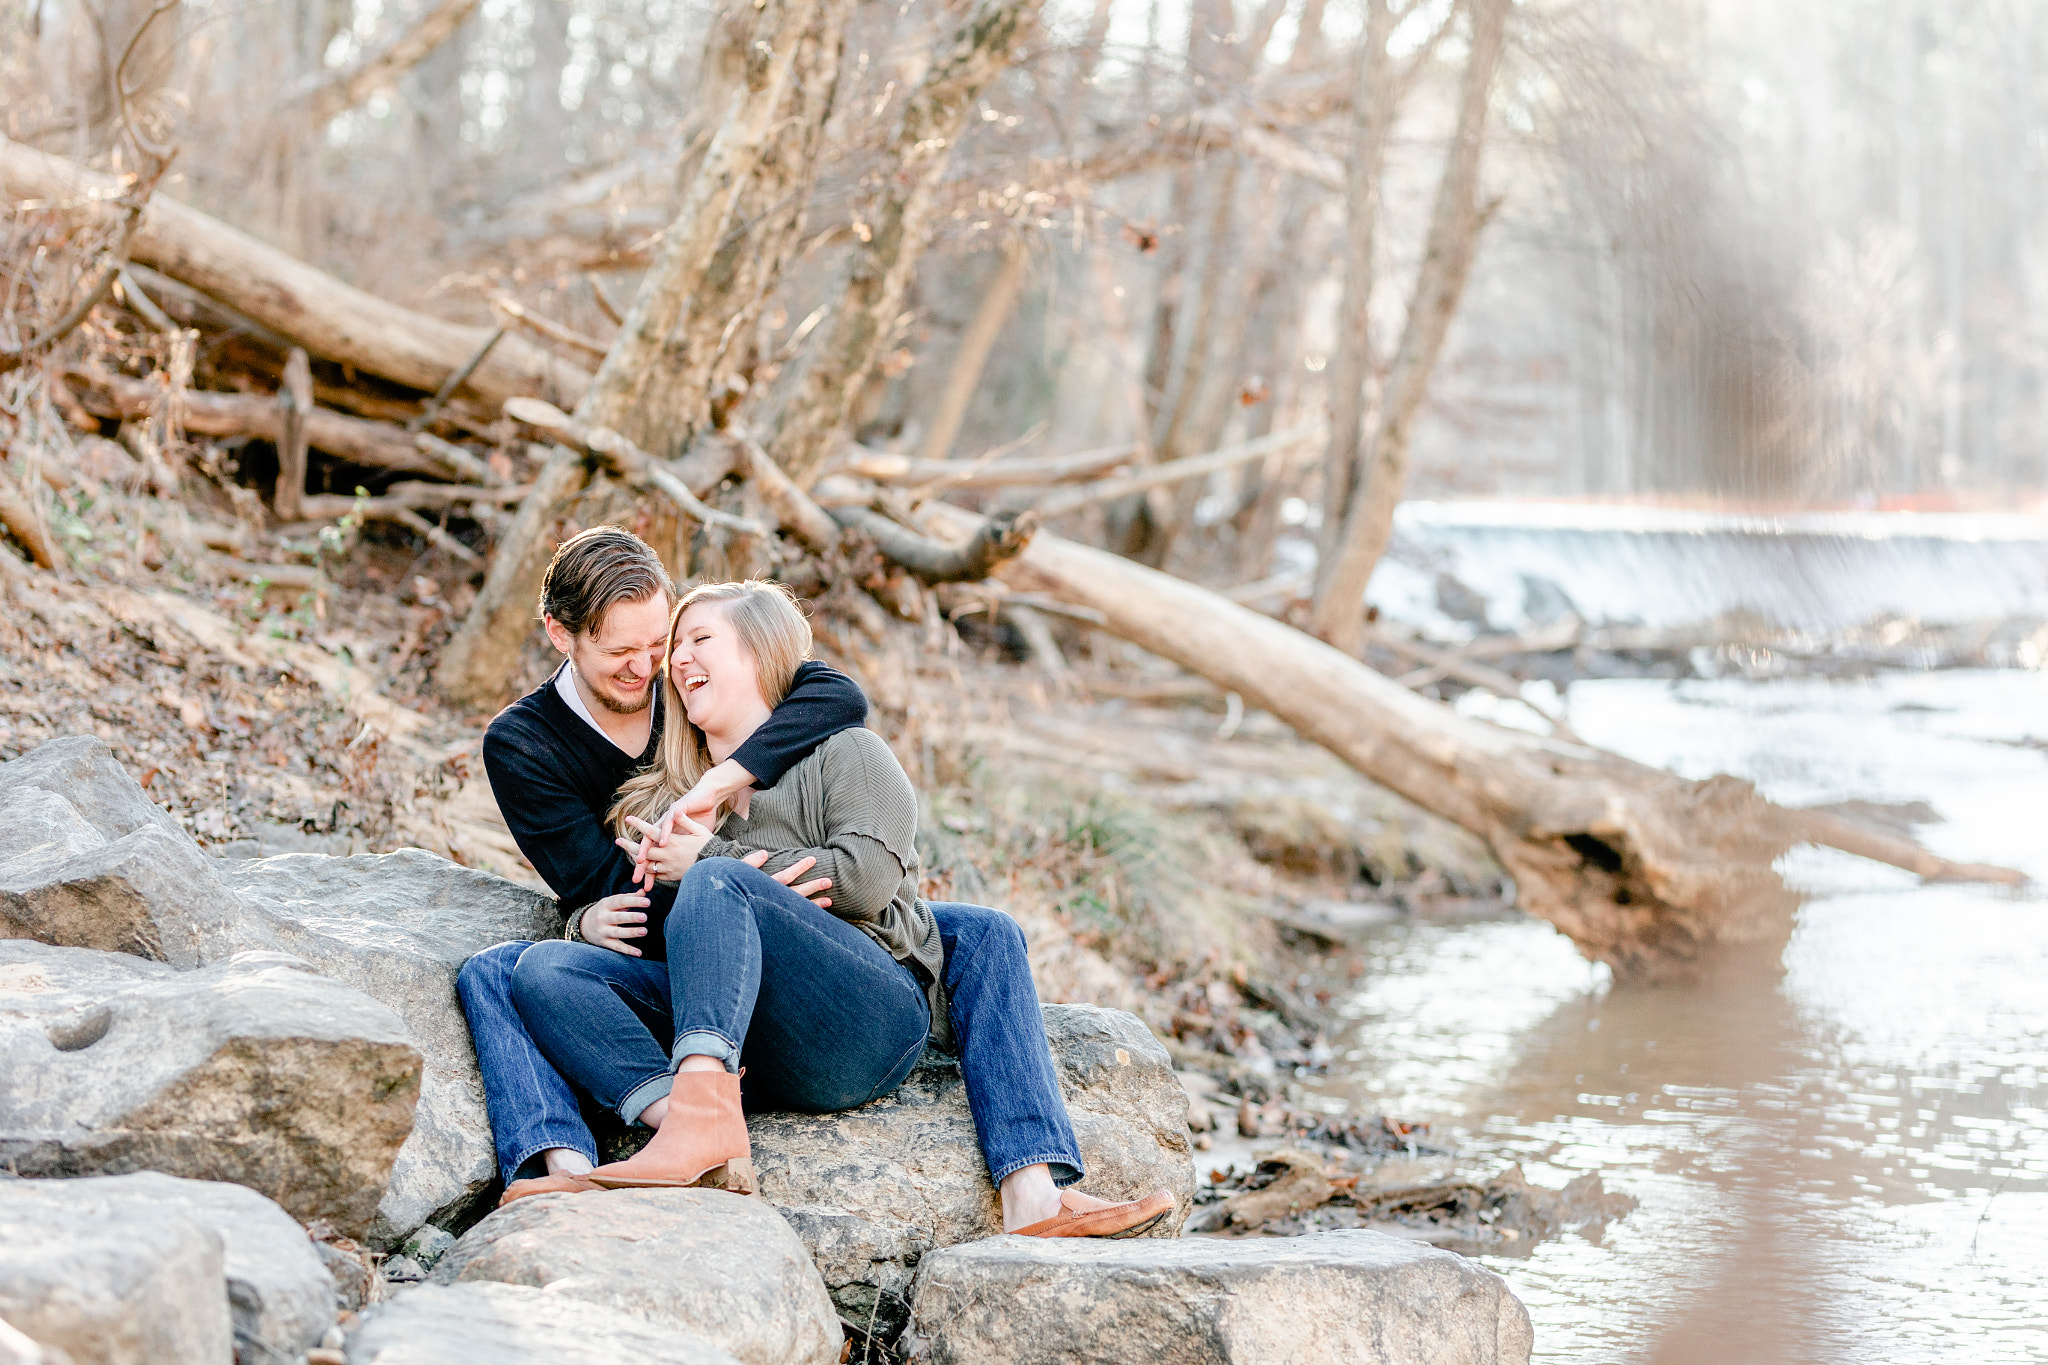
x: 702, y: 1141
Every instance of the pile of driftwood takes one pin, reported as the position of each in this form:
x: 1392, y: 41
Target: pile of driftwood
x: 1645, y: 870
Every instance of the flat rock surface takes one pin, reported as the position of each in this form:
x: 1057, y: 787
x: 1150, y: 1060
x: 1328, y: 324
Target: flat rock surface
x: 398, y: 926
x: 255, y: 1071
x: 724, y: 1267
x: 279, y: 1293
x: 110, y: 1283
x: 912, y: 1157
x: 506, y: 1324
x: 871, y: 1188
x: 1362, y: 1298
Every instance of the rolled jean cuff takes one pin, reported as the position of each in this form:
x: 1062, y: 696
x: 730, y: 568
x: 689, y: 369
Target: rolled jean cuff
x: 1065, y: 1171
x: 704, y: 1043
x: 644, y: 1094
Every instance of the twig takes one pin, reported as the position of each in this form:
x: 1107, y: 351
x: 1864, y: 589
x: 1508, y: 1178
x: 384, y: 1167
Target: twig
x: 1173, y: 471
x: 142, y: 304
x: 605, y: 304
x: 967, y: 469
x: 547, y: 327
x: 455, y: 381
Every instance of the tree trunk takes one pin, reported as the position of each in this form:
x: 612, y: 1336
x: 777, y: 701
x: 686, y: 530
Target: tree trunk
x: 998, y: 301
x: 862, y: 319
x: 1644, y: 870
x: 330, y: 319
x: 1372, y: 114
x: 1338, y: 612
x: 724, y: 359
x: 641, y: 390
x: 634, y: 391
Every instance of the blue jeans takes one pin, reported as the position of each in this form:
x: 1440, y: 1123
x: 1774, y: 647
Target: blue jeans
x: 821, y: 1017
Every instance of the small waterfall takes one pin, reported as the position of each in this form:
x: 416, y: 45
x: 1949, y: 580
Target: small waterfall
x: 1516, y: 566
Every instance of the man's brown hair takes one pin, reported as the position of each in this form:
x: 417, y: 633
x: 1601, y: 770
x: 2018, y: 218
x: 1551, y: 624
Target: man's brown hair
x: 594, y: 571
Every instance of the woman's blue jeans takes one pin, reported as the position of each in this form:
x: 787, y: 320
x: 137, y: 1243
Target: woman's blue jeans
x: 820, y: 1016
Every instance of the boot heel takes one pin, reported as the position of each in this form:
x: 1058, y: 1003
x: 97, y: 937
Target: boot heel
x: 736, y: 1175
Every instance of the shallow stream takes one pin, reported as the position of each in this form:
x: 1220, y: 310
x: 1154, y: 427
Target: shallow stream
x: 1846, y: 1163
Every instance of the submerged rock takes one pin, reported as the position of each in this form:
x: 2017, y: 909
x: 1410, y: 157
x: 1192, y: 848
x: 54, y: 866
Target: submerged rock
x: 279, y: 1295
x: 506, y: 1324
x: 110, y: 1283
x: 1358, y: 1297
x: 871, y: 1188
x: 255, y: 1071
x: 723, y: 1267
x: 398, y: 926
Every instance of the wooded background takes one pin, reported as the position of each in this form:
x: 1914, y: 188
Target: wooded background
x: 1206, y: 289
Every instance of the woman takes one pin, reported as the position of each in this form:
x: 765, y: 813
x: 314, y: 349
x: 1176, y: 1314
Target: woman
x: 820, y: 1009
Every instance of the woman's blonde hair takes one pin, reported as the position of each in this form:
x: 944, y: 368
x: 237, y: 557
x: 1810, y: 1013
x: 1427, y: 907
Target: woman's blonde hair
x: 773, y: 631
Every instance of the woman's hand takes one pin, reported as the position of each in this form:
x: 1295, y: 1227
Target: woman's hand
x: 660, y: 856
x: 615, y: 921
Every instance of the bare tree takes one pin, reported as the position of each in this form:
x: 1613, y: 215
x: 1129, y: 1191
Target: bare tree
x: 1368, y: 515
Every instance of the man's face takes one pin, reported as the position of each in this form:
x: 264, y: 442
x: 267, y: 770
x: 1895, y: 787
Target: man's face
x: 620, y: 661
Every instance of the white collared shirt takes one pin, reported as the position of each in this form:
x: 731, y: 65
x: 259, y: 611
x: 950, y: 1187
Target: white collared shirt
x: 565, y: 683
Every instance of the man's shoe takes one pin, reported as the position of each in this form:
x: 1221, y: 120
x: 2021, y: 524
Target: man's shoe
x: 548, y: 1184
x: 702, y: 1141
x: 1083, y: 1215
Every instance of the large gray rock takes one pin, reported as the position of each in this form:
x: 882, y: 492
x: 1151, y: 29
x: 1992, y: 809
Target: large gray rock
x: 1363, y: 1298
x: 724, y: 1267
x: 871, y: 1188
x: 113, y: 1284
x: 255, y: 1071
x: 505, y: 1324
x: 88, y: 861
x: 398, y: 926
x: 280, y: 1294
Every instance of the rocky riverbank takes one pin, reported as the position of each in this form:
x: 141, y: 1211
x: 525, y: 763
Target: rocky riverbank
x: 242, y: 1120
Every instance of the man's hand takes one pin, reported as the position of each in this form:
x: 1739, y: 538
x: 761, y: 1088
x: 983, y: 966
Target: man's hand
x: 809, y: 890
x: 728, y: 781
x: 615, y: 921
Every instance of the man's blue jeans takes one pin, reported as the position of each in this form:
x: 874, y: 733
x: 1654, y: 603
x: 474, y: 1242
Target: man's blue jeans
x: 821, y: 1017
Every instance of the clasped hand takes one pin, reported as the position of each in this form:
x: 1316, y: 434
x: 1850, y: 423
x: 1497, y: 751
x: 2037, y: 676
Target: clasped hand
x: 616, y: 921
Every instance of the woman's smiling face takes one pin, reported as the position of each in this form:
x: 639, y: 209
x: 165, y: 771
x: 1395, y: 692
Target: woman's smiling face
x: 713, y: 671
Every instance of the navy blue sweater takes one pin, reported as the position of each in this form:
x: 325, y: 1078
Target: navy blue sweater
x: 554, y: 776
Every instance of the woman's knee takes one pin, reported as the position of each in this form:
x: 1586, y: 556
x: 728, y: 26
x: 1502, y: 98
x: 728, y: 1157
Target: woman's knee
x: 707, y: 892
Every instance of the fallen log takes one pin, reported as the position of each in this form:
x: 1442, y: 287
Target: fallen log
x: 1649, y: 872
x: 997, y: 539
x: 298, y: 301
x: 380, y: 445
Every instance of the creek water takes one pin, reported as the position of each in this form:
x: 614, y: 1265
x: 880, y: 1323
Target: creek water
x: 1843, y: 1162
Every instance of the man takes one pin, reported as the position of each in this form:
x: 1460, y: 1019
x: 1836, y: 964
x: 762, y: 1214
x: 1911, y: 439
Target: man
x: 555, y: 757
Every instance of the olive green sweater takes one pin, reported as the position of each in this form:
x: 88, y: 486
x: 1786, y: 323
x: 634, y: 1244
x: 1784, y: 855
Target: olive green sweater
x: 851, y: 806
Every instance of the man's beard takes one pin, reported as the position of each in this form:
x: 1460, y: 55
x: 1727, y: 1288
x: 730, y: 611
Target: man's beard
x: 624, y: 708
